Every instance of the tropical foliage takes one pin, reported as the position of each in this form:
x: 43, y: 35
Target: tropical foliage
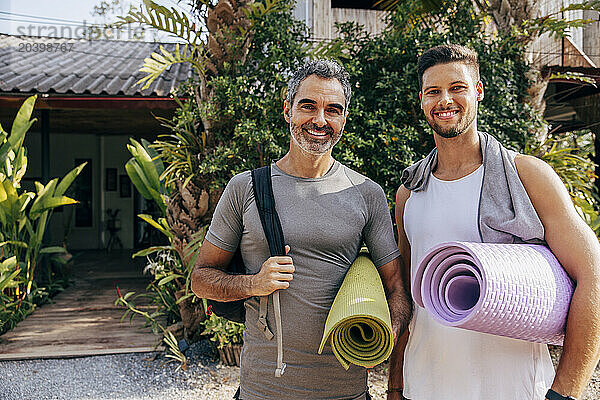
x: 24, y: 218
x: 169, y: 292
x: 570, y: 155
x: 154, y: 320
x: 386, y: 129
x: 223, y: 332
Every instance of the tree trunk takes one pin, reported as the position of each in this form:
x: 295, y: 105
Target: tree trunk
x: 191, y: 207
x: 509, y: 13
x: 192, y: 316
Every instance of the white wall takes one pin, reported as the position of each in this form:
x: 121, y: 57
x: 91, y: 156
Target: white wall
x: 373, y: 20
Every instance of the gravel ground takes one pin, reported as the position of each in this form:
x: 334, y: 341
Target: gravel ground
x: 140, y: 376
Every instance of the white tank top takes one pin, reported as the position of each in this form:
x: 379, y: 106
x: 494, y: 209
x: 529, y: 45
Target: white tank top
x: 450, y: 363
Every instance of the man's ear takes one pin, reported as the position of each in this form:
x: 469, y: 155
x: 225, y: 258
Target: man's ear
x: 287, y: 111
x: 421, y: 99
x: 480, y: 91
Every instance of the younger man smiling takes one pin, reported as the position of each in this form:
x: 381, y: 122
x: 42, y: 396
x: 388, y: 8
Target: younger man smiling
x: 470, y: 188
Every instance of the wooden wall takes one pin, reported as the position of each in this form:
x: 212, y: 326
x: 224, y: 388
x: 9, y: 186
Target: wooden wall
x: 325, y: 17
x: 372, y: 20
x: 591, y: 37
x: 322, y: 19
x: 580, y: 49
x: 571, y: 51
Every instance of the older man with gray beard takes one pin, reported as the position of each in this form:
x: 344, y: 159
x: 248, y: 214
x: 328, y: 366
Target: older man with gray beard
x: 327, y: 212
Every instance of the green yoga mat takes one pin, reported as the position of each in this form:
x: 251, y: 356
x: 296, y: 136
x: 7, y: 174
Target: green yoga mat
x: 359, y: 321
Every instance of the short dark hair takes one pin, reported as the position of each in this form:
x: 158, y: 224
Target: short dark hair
x: 446, y: 54
x: 322, y: 68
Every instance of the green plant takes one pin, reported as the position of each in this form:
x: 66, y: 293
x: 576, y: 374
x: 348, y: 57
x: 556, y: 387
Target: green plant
x: 223, y: 332
x: 570, y: 157
x: 24, y: 218
x: 152, y: 319
x: 169, y: 278
x: 169, y: 290
x: 144, y: 170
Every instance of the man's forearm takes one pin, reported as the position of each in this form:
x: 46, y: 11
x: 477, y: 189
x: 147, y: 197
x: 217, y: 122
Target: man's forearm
x: 582, y: 342
x: 215, y: 284
x: 395, y: 380
x: 400, y: 309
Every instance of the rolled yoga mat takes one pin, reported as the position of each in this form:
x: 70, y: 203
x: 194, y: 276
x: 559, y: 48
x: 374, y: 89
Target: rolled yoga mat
x: 516, y: 290
x: 359, y: 320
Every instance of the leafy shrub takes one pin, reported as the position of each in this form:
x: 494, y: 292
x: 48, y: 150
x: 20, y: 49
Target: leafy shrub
x: 386, y: 129
x: 24, y: 217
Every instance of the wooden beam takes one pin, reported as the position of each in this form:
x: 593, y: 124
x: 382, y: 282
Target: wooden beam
x: 77, y: 353
x: 50, y: 102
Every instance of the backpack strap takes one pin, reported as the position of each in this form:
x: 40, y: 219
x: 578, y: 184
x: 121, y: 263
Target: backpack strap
x: 263, y: 197
x: 265, y: 202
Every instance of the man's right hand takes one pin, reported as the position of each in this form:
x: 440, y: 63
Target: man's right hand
x: 275, y: 274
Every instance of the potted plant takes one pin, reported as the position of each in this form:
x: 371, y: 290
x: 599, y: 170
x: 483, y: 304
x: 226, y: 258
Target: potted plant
x: 227, y: 336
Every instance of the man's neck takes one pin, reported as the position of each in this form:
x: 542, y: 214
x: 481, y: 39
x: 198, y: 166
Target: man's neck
x: 458, y: 156
x: 304, y: 165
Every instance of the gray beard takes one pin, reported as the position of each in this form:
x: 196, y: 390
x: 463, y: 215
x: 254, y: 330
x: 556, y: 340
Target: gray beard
x: 305, y: 146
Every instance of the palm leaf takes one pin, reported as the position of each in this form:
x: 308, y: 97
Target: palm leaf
x: 157, y: 63
x: 20, y: 165
x: 165, y: 20
x: 3, y: 194
x: 150, y: 250
x: 148, y: 218
x: 145, y: 161
x: 333, y: 49
x: 7, y: 281
x: 158, y: 164
x: 8, y: 264
x: 50, y: 203
x: 20, y: 126
x: 43, y: 193
x: 257, y: 10
x: 135, y: 174
x: 16, y: 243
x: 68, y: 179
x: 53, y: 250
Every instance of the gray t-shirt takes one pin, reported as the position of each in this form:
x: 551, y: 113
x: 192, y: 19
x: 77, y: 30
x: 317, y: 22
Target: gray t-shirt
x: 324, y: 221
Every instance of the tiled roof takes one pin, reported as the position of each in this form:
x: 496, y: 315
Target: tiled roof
x: 92, y: 67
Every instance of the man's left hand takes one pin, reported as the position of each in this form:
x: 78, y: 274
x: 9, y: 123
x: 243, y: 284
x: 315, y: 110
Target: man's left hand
x: 395, y: 396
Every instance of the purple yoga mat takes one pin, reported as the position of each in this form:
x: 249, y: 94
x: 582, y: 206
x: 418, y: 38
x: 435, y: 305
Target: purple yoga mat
x: 515, y: 290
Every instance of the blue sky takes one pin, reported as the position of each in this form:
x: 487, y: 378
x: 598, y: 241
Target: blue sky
x: 53, y: 18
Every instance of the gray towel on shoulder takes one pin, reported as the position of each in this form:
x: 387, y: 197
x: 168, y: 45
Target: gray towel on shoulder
x: 506, y: 214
